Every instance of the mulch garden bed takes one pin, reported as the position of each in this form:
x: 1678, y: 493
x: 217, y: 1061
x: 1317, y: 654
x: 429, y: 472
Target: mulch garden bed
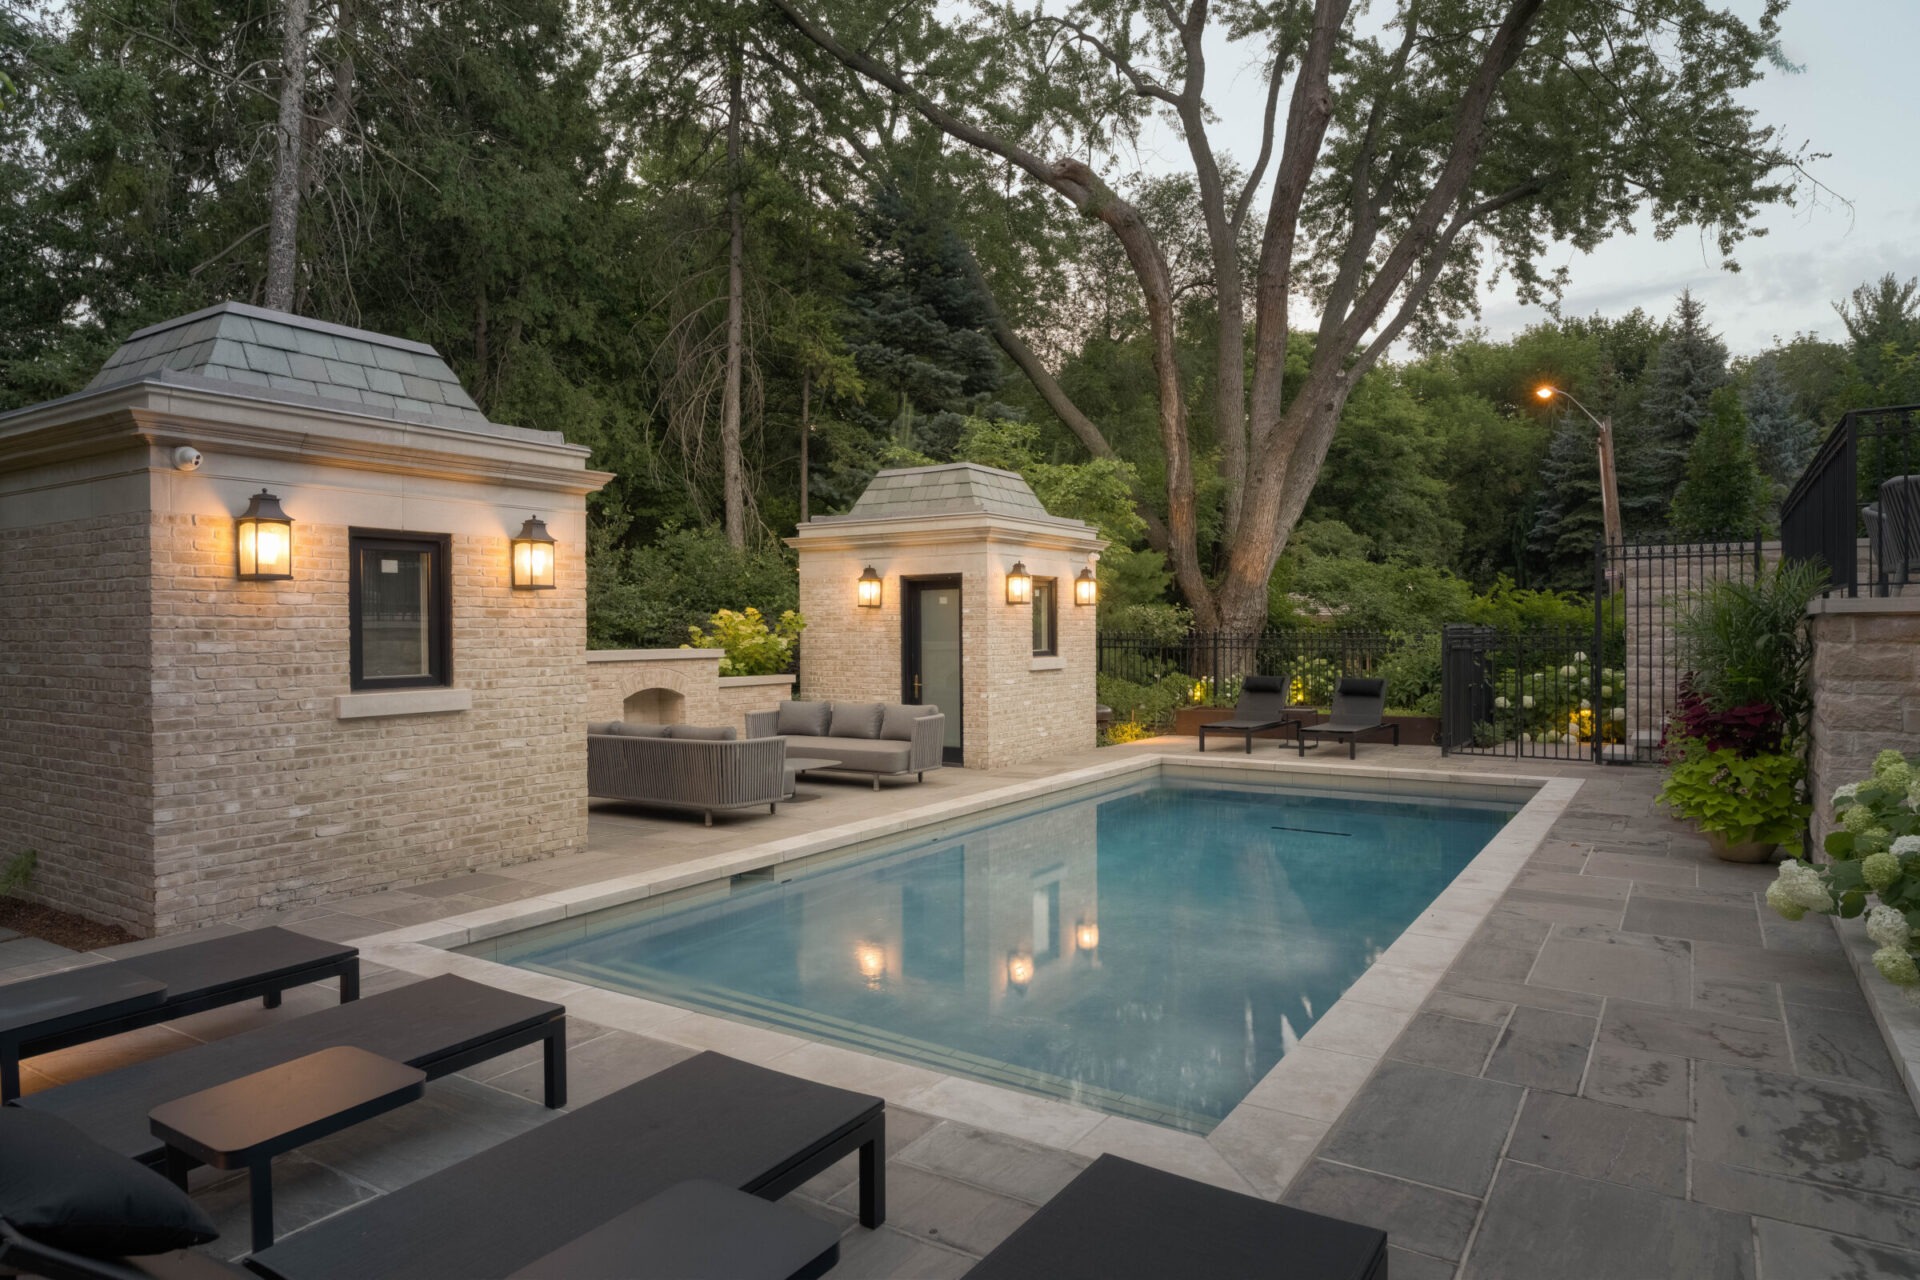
x: 62, y: 928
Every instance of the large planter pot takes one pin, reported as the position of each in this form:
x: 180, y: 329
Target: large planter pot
x: 1748, y: 851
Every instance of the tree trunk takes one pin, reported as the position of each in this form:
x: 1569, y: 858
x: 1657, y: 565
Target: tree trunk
x: 806, y: 431
x: 283, y: 217
x: 733, y: 466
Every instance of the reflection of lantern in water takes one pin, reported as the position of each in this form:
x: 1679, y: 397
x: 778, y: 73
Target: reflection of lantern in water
x: 872, y: 961
x: 1019, y: 969
x: 1086, y: 935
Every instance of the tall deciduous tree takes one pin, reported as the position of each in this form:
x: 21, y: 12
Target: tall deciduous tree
x: 1408, y: 158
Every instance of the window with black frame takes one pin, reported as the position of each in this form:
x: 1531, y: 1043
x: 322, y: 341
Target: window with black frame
x: 1045, y: 617
x: 400, y: 602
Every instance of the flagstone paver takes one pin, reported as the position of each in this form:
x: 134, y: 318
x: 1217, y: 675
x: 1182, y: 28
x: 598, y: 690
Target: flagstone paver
x: 1632, y: 1069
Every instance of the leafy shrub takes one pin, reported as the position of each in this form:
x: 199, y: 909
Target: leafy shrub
x: 1747, y: 642
x: 18, y: 871
x: 1124, y: 731
x: 648, y: 597
x: 1753, y: 729
x: 1574, y: 702
x: 1160, y: 623
x: 1412, y: 672
x: 752, y: 647
x: 1151, y: 704
x: 1874, y: 854
x: 1745, y: 799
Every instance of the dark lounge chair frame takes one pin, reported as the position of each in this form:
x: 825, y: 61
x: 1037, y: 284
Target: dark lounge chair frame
x: 266, y: 982
x: 542, y: 1022
x: 1348, y: 720
x: 1262, y: 706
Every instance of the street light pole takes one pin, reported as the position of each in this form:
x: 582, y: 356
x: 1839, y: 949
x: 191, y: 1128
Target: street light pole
x: 1603, y: 445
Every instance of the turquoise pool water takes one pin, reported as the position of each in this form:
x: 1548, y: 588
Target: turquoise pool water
x: 1150, y: 950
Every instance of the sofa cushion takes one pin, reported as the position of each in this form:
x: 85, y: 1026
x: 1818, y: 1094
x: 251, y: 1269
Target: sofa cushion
x: 59, y: 1187
x: 866, y: 755
x: 802, y: 719
x: 621, y: 729
x: 896, y: 722
x: 855, y: 720
x: 703, y: 733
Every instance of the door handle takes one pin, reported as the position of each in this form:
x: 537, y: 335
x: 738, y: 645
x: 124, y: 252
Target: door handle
x: 916, y: 687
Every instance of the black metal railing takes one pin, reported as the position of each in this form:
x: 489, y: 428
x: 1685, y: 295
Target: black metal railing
x: 1542, y: 692
x: 1212, y: 665
x: 1856, y: 508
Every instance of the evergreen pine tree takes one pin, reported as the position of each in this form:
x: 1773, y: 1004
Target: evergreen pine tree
x: 1723, y: 493
x: 1655, y: 446
x: 1783, y: 438
x: 1569, y: 520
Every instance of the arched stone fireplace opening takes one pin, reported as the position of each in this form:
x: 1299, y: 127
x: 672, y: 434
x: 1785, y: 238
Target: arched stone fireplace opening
x: 655, y: 706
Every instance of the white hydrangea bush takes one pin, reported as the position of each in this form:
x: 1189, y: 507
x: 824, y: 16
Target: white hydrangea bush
x: 1872, y: 868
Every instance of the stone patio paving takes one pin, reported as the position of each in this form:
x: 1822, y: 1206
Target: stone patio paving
x: 1633, y: 1070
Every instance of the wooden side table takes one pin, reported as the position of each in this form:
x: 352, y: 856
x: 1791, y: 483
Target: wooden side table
x: 245, y: 1123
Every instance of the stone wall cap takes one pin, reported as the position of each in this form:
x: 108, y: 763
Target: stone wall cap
x: 652, y: 655
x: 1829, y: 605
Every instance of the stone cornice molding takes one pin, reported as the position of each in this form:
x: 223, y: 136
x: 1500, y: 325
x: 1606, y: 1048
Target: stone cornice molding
x: 158, y: 416
x: 947, y: 531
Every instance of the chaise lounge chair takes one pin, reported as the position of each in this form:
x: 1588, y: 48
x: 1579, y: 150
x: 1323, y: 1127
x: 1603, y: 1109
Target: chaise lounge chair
x: 40, y: 1015
x: 1262, y: 706
x: 1124, y: 1221
x: 1359, y: 706
x: 504, y: 1211
x: 439, y: 1025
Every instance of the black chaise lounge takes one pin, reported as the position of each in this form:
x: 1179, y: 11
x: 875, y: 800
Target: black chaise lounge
x: 72, y: 1210
x: 1124, y: 1221
x: 501, y: 1212
x: 1359, y: 706
x: 58, y: 1010
x: 1262, y: 706
x: 439, y: 1025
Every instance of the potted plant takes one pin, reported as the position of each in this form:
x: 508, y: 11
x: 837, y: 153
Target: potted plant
x: 1873, y: 868
x: 1734, y: 745
x: 1747, y: 806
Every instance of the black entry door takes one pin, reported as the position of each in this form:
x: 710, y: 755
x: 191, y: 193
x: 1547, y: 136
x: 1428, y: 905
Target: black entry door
x: 930, y: 667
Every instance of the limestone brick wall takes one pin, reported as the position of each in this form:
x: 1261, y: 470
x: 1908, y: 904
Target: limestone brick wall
x: 263, y: 797
x: 1866, y: 691
x: 75, y: 685
x: 619, y: 682
x: 1017, y: 708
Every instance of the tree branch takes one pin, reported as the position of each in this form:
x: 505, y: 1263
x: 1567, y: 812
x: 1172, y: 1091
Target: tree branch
x: 1142, y: 86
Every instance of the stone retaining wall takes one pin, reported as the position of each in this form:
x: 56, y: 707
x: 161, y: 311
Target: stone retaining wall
x: 1866, y: 691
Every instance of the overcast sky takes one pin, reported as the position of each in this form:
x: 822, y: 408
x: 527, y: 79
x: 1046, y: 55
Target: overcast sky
x: 1857, y: 98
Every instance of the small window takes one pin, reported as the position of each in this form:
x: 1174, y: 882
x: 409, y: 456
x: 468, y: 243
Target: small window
x: 1045, y: 593
x: 399, y: 604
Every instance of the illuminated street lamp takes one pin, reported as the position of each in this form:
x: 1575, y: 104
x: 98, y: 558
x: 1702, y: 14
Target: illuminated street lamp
x: 1603, y: 444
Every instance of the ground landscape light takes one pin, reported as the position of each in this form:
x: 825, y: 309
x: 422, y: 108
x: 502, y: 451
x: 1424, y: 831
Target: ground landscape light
x: 263, y: 540
x: 533, y: 557
x: 1019, y: 584
x: 869, y: 589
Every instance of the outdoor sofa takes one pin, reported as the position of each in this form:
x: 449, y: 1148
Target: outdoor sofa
x: 682, y: 766
x: 439, y: 1025
x: 1118, y: 1220
x: 1262, y: 706
x: 1359, y: 706
x: 74, y: 1006
x: 668, y: 1177
x: 881, y: 740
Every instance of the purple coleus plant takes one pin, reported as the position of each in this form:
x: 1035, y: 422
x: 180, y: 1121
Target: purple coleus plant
x: 1752, y: 729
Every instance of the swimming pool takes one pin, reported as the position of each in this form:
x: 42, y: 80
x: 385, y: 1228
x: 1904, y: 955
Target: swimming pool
x: 1149, y: 949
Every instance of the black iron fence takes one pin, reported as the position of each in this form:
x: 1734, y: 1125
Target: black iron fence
x: 1205, y: 669
x: 1545, y: 692
x: 1856, y: 508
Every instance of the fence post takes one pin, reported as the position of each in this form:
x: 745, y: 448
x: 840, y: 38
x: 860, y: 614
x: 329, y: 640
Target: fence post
x: 1599, y: 646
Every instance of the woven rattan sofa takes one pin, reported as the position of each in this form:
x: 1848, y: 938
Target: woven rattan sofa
x: 880, y: 740
x: 682, y: 766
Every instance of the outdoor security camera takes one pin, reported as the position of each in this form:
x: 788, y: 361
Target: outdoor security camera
x: 187, y: 458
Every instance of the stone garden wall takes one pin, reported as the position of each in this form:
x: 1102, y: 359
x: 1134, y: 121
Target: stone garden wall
x: 1866, y: 691
x: 675, y: 686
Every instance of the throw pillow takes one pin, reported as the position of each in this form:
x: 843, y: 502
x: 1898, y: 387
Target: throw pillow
x: 625, y: 730
x: 62, y: 1188
x: 855, y: 720
x: 802, y: 720
x: 896, y: 723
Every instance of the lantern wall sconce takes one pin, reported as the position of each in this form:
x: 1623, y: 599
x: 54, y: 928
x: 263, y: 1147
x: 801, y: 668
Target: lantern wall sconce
x: 1086, y: 588
x: 1019, y: 970
x: 1019, y: 584
x: 533, y: 557
x: 1086, y: 935
x: 263, y: 540
x: 869, y: 589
